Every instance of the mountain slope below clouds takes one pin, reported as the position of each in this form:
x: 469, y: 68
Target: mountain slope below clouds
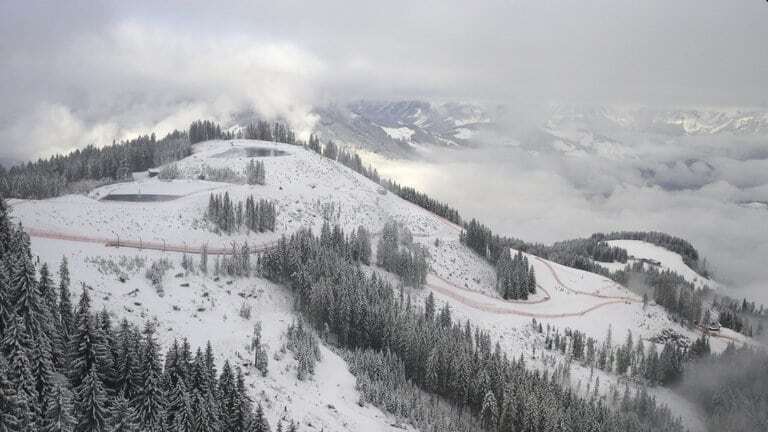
x: 399, y: 129
x: 308, y: 190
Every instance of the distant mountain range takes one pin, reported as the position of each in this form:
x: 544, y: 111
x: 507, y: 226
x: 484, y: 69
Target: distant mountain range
x: 693, y: 122
x: 401, y: 128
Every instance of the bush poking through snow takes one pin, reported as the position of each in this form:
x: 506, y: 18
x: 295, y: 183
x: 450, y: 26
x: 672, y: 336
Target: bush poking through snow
x: 228, y: 216
x: 224, y: 174
x: 156, y: 272
x: 170, y: 172
x: 260, y: 356
x: 410, y: 262
x: 303, y: 343
x: 122, y: 269
x: 245, y: 311
x: 255, y: 173
x: 188, y: 264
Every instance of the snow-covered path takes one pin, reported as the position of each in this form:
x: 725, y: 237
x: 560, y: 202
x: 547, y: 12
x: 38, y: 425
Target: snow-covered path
x: 499, y: 306
x: 581, y: 292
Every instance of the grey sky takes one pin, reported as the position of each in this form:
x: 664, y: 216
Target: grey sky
x: 80, y: 72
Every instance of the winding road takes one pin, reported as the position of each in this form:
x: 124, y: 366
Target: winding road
x: 498, y: 306
x: 445, y: 287
x: 449, y: 289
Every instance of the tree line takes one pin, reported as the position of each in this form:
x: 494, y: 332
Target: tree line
x: 515, y: 277
x: 688, y: 304
x: 352, y: 160
x: 226, y: 216
x: 83, y: 169
x: 453, y: 360
x: 631, y: 359
x: 742, y: 316
x: 397, y: 253
x: 68, y: 368
x: 255, y: 174
x: 730, y: 388
x: 594, y: 247
x: 679, y: 297
x: 204, y: 130
x: 424, y: 201
x: 356, y: 246
x: 675, y: 244
x: 60, y: 174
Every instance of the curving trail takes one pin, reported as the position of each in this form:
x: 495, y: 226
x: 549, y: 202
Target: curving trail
x: 580, y: 292
x: 494, y: 305
x: 139, y: 244
x: 546, y: 297
x: 499, y: 306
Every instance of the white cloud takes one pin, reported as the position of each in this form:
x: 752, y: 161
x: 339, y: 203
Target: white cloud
x: 137, y: 79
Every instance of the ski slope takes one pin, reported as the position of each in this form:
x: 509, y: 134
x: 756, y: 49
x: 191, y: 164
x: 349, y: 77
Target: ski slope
x: 638, y: 249
x: 209, y: 311
x: 308, y: 190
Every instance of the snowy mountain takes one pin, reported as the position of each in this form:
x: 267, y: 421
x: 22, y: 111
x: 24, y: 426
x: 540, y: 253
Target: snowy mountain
x: 671, y: 122
x: 399, y: 128
x: 308, y: 190
x: 402, y: 128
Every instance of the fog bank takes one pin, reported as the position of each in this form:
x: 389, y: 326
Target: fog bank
x: 549, y: 198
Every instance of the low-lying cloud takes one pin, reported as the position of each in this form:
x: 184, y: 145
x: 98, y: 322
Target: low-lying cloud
x: 549, y: 196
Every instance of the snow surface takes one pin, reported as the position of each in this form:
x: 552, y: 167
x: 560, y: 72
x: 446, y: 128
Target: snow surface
x: 464, y: 133
x: 401, y: 133
x: 309, y: 189
x: 208, y: 311
x: 669, y: 260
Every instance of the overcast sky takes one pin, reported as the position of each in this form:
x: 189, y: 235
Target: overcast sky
x: 76, y: 72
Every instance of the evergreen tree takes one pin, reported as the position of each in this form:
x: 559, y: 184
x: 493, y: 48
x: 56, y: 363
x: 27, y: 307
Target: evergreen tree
x: 123, y: 416
x: 261, y: 358
x: 59, y: 417
x: 90, y: 410
x: 5, y: 227
x: 210, y: 364
x: 260, y: 423
x: 184, y: 420
x: 27, y: 300
x: 66, y: 315
x: 9, y: 422
x: 42, y: 371
x: 429, y: 307
x: 149, y: 402
x: 86, y: 350
x: 6, y: 305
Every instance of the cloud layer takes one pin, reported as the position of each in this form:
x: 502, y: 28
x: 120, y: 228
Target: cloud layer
x: 86, y: 70
x: 546, y: 195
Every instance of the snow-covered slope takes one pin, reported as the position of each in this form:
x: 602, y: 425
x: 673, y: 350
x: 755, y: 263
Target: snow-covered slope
x: 399, y: 128
x: 672, y: 121
x: 666, y: 259
x: 207, y: 310
x: 308, y: 189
